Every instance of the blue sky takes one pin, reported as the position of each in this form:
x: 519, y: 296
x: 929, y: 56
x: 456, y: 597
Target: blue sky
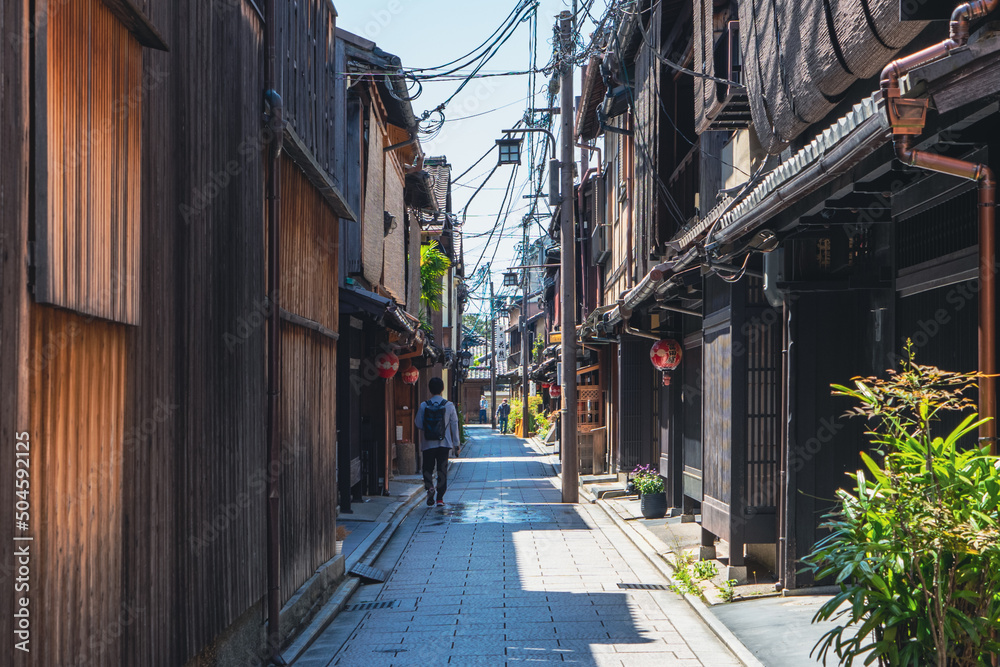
x: 427, y: 33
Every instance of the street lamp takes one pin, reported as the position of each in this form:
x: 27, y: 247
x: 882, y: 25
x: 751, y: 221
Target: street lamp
x: 510, y: 150
x: 510, y: 279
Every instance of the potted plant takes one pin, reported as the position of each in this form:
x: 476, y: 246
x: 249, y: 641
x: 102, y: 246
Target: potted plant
x: 341, y: 535
x: 652, y: 498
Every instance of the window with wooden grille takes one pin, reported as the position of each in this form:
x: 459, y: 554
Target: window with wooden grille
x: 88, y: 102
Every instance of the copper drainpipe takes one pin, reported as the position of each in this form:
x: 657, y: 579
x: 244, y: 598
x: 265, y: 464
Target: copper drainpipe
x: 583, y: 246
x: 275, y: 125
x: 907, y: 117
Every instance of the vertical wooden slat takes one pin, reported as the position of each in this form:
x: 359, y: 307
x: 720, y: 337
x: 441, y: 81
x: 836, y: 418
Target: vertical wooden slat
x: 76, y: 420
x: 89, y: 177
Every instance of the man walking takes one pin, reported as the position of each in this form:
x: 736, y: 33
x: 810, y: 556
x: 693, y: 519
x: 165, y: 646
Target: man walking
x: 437, y: 420
x: 503, y: 412
x: 483, y: 407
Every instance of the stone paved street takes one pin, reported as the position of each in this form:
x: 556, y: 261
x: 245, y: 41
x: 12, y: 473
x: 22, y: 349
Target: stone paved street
x: 505, y: 574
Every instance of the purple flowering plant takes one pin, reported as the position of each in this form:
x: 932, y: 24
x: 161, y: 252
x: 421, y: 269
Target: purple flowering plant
x: 647, y: 480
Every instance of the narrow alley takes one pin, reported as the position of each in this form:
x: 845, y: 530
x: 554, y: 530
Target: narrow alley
x: 506, y: 574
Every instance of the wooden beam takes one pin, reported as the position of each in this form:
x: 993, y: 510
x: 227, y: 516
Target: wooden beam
x: 137, y: 24
x: 306, y: 323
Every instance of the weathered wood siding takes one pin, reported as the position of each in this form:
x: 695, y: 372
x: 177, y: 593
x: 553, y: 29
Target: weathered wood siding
x: 14, y: 298
x: 717, y: 411
x: 306, y: 79
x: 615, y: 276
x: 88, y: 189
x: 373, y: 229
x: 193, y: 535
x: 309, y: 278
x: 648, y: 207
x: 77, y: 398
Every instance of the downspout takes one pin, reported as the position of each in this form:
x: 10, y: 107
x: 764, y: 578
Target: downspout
x: 583, y: 247
x: 789, y: 462
x: 275, y: 123
x: 629, y: 252
x: 907, y: 118
x: 593, y: 149
x: 403, y: 144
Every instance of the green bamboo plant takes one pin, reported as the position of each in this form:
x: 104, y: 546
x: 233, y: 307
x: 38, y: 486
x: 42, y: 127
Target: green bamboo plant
x: 915, y: 547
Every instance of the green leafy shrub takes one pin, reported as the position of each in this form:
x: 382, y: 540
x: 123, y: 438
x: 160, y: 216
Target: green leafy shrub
x: 535, y: 414
x: 647, y: 480
x: 688, y: 572
x: 463, y: 434
x: 728, y: 590
x: 915, y: 546
x: 705, y: 569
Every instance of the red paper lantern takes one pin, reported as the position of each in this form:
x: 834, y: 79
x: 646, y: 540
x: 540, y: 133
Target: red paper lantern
x: 411, y: 375
x: 666, y: 356
x: 555, y: 391
x: 386, y: 364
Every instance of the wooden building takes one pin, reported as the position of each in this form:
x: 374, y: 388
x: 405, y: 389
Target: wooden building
x: 379, y: 283
x: 132, y: 321
x: 773, y: 217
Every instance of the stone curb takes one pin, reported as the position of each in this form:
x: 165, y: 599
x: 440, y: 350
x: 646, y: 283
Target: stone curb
x: 366, y: 552
x: 649, y: 550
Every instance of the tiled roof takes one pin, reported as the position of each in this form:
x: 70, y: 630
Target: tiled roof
x: 726, y: 215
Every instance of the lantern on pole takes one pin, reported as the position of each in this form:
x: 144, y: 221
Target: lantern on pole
x: 666, y: 356
x: 386, y: 364
x: 555, y: 391
x: 411, y: 374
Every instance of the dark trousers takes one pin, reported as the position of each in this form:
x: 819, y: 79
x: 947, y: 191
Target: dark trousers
x: 482, y: 416
x: 437, y: 456
x: 503, y: 424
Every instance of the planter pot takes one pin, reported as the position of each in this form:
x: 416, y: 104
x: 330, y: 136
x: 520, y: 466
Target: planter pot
x: 653, y: 505
x: 339, y: 548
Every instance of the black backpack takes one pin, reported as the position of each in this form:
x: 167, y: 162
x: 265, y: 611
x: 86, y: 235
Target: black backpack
x: 434, y: 426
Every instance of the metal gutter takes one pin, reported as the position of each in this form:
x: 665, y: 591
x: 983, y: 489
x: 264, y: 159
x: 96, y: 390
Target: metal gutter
x: 648, y: 286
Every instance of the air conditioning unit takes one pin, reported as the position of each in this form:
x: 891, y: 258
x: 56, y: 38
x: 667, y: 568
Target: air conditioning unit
x: 599, y: 246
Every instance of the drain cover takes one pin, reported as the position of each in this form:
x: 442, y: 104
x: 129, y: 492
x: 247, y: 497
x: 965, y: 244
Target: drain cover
x: 645, y: 587
x: 375, y: 604
x: 369, y: 573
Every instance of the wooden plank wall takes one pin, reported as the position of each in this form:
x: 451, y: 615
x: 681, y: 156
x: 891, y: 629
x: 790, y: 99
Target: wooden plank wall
x: 717, y: 419
x: 309, y: 288
x: 307, y: 84
x: 646, y: 139
x: 14, y: 298
x: 77, y: 399
x: 193, y: 536
x: 88, y: 182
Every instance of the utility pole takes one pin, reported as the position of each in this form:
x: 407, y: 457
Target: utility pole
x: 567, y: 270
x: 525, y: 351
x: 493, y: 360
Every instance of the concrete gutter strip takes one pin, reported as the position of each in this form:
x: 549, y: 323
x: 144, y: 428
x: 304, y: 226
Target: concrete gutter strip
x: 366, y: 552
x: 727, y: 637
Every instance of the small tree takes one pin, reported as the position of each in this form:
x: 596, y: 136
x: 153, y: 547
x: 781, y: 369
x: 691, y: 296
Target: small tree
x: 914, y: 548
